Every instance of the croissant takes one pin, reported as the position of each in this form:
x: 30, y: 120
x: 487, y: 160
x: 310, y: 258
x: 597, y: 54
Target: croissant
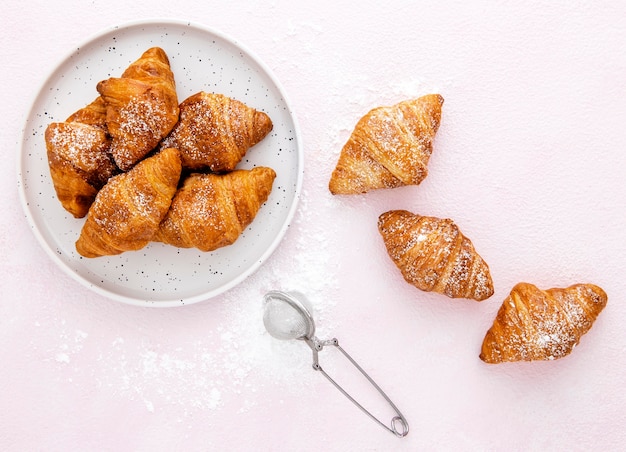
x: 142, y: 107
x: 78, y: 158
x: 534, y: 324
x: 389, y: 147
x: 128, y: 209
x: 211, y: 211
x: 215, y: 131
x: 94, y: 114
x: 433, y: 255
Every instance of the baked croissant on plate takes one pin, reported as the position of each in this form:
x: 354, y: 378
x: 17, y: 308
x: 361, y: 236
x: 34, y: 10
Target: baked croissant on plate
x: 215, y: 131
x: 433, y: 255
x: 94, y: 114
x: 211, y: 211
x: 534, y: 324
x: 78, y: 157
x: 389, y: 147
x: 127, y: 211
x: 142, y: 107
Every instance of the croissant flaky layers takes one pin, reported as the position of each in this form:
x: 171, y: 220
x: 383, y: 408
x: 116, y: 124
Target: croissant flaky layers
x: 433, y: 255
x: 128, y: 210
x: 93, y: 114
x: 389, y: 147
x: 211, y: 211
x: 534, y: 324
x: 78, y: 157
x: 142, y: 107
x: 215, y: 131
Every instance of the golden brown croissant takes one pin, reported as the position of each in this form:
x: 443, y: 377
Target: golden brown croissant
x: 128, y: 209
x: 389, y: 147
x: 78, y: 157
x: 215, y: 131
x: 211, y: 211
x: 433, y: 255
x: 94, y: 114
x: 142, y: 107
x: 534, y: 324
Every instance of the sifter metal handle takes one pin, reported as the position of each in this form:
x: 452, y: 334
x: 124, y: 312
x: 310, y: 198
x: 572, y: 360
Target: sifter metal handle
x: 398, y: 420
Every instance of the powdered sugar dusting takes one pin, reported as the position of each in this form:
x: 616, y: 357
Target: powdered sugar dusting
x: 223, y: 357
x: 391, y: 141
x: 434, y: 255
x: 211, y: 211
x: 82, y: 145
x: 142, y: 124
x: 542, y: 325
x: 136, y: 195
x: 214, y: 131
x: 204, y: 208
x: 195, y: 217
x: 119, y: 217
x: 483, y: 285
x: 389, y: 147
x: 558, y: 330
x: 196, y: 120
x: 143, y: 118
x: 461, y: 270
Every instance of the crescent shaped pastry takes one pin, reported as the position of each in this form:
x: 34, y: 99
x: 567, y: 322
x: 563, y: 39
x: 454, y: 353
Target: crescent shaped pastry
x: 211, y: 211
x: 127, y: 211
x: 534, y: 324
x: 215, y: 131
x: 142, y: 107
x: 78, y: 157
x: 389, y: 147
x: 433, y: 255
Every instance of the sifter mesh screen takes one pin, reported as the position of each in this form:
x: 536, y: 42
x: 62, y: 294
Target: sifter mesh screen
x: 284, y: 321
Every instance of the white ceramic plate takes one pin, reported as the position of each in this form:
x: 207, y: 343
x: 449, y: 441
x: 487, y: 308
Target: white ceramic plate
x: 202, y: 60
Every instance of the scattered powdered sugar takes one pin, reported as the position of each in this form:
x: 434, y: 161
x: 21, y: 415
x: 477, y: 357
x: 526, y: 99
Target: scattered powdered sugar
x: 82, y: 145
x: 483, y: 285
x: 124, y: 200
x: 433, y: 254
x: 457, y: 281
x: 143, y: 203
x: 215, y: 131
x: 544, y: 324
x: 389, y: 142
x: 389, y: 147
x: 62, y: 358
x: 143, y: 122
x: 71, y: 344
x: 112, y: 219
x: 196, y: 120
x: 201, y: 204
x: 558, y: 330
x: 142, y: 119
x: 220, y: 357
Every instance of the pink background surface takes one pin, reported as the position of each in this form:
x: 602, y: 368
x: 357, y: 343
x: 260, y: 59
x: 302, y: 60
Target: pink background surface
x: 529, y: 161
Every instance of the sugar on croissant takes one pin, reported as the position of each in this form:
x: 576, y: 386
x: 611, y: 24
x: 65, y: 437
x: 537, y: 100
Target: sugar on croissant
x: 211, y: 211
x: 534, y: 324
x: 128, y: 210
x: 78, y: 157
x: 389, y: 147
x: 215, y: 131
x: 142, y: 107
x: 433, y: 255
